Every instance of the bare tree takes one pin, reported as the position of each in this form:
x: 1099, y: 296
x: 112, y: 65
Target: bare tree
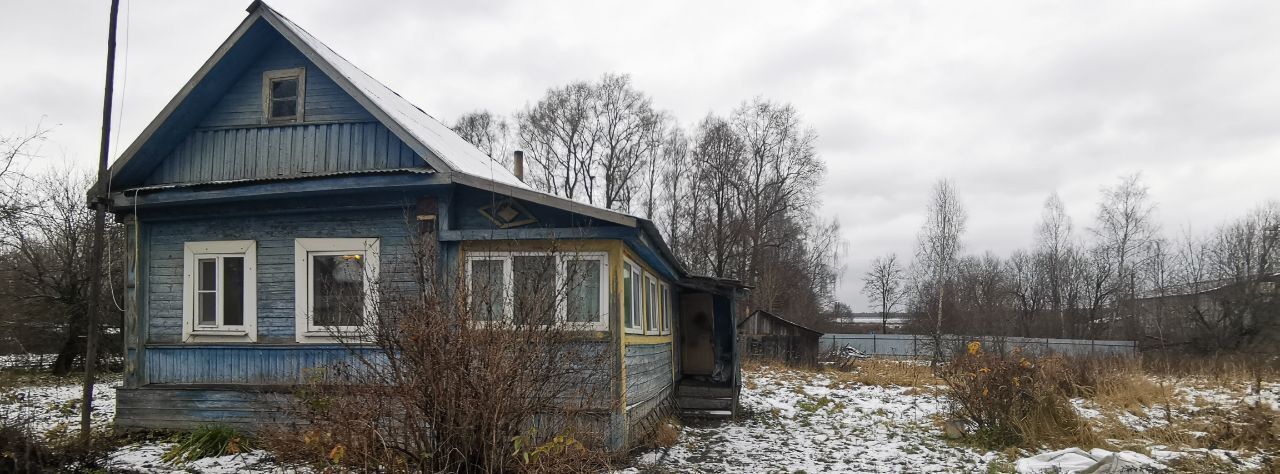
x: 884, y: 285
x: 675, y: 186
x: 561, y: 140
x: 1125, y: 225
x: 14, y: 150
x: 1028, y: 286
x: 939, y: 245
x: 487, y: 131
x: 780, y: 172
x: 628, y: 130
x: 717, y: 156
x: 47, y: 242
x: 1054, y: 245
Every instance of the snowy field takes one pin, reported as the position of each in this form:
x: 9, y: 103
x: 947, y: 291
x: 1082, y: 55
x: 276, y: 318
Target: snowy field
x: 822, y: 422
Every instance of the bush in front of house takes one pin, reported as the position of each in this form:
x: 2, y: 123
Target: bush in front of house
x: 434, y: 388
x: 1014, y: 400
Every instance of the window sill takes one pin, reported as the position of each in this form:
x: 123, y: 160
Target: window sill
x: 219, y: 332
x: 330, y: 337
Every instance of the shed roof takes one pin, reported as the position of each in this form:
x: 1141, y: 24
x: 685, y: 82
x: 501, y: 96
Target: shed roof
x: 780, y: 318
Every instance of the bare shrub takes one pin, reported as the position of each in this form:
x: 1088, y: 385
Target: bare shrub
x: 454, y: 377
x: 1014, y: 401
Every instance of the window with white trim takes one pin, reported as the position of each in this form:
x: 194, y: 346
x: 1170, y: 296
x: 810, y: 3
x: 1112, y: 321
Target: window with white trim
x: 667, y: 303
x: 219, y: 291
x: 651, y: 324
x: 631, y: 298
x: 540, y: 288
x: 334, y: 288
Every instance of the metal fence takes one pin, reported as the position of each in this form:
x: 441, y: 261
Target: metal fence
x: 921, y: 346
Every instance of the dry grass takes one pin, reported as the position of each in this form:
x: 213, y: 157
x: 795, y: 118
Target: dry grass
x: 667, y: 433
x: 888, y: 373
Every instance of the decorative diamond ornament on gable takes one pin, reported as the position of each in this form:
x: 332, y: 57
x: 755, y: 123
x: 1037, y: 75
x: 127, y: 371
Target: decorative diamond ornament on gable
x: 507, y: 213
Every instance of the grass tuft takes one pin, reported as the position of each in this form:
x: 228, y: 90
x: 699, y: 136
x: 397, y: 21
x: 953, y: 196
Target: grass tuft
x: 206, y: 442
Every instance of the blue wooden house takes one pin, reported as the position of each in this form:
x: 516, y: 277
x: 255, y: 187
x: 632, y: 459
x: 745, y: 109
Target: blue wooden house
x: 280, y: 166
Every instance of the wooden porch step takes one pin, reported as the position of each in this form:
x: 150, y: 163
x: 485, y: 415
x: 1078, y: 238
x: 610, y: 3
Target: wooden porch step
x: 704, y: 403
x: 703, y: 391
x: 706, y: 414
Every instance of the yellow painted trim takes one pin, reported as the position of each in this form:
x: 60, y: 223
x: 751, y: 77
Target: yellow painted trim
x: 628, y: 338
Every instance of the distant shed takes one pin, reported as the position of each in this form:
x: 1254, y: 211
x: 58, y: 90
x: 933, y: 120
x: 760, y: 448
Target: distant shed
x: 768, y: 336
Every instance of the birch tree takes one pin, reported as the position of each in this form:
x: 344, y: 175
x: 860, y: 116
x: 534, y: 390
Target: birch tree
x: 1125, y: 225
x: 1054, y: 245
x: 938, y: 247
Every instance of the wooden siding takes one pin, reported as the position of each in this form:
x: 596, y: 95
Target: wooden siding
x: 274, y: 235
x: 187, y: 408
x: 241, y: 105
x: 649, y: 389
x: 648, y: 369
x: 293, y: 150
x: 243, y: 364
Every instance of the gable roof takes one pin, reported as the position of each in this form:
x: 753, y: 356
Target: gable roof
x: 443, y: 150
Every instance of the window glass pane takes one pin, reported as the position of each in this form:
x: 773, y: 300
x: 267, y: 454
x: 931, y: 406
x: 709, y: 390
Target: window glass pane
x: 207, y: 305
x: 651, y: 304
x: 233, y: 291
x: 486, y: 290
x: 337, y: 297
x: 626, y: 295
x: 284, y: 108
x: 584, y: 290
x: 284, y: 88
x: 534, y: 289
x: 670, y: 307
x: 637, y: 288
x: 208, y: 274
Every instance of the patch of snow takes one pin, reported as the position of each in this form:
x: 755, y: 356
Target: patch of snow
x: 799, y: 421
x: 1072, y: 460
x: 54, y: 410
x: 146, y: 458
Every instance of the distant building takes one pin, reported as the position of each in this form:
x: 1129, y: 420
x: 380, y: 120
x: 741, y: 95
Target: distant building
x: 769, y: 336
x: 895, y: 321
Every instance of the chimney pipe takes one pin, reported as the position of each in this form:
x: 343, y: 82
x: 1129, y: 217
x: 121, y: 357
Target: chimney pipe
x: 519, y: 168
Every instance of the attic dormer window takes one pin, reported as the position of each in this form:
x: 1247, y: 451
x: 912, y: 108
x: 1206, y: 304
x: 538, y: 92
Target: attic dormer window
x: 282, y: 92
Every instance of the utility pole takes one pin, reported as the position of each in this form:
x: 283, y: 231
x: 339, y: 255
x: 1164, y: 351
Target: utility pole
x: 99, y: 203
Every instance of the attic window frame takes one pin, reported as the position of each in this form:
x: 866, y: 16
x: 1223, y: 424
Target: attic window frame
x: 268, y: 77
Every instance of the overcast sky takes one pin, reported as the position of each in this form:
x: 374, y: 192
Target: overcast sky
x: 1012, y: 100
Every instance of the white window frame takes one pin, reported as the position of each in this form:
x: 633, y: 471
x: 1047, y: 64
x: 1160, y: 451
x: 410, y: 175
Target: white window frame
x: 268, y: 76
x: 652, y: 323
x: 303, y: 249
x: 666, y: 295
x: 192, y: 330
x: 637, y: 297
x: 562, y: 311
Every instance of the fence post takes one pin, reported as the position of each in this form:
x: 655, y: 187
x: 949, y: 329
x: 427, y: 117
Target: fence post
x: 873, y: 345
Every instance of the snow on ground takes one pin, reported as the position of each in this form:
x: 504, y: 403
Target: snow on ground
x: 799, y: 421
x: 144, y: 458
x: 51, y: 405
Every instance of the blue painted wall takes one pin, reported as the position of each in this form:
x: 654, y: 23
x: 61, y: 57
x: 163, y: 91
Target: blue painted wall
x: 275, y: 234
x: 232, y: 140
x: 241, y: 104
x: 292, y: 150
x: 648, y: 371
x: 244, y: 364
